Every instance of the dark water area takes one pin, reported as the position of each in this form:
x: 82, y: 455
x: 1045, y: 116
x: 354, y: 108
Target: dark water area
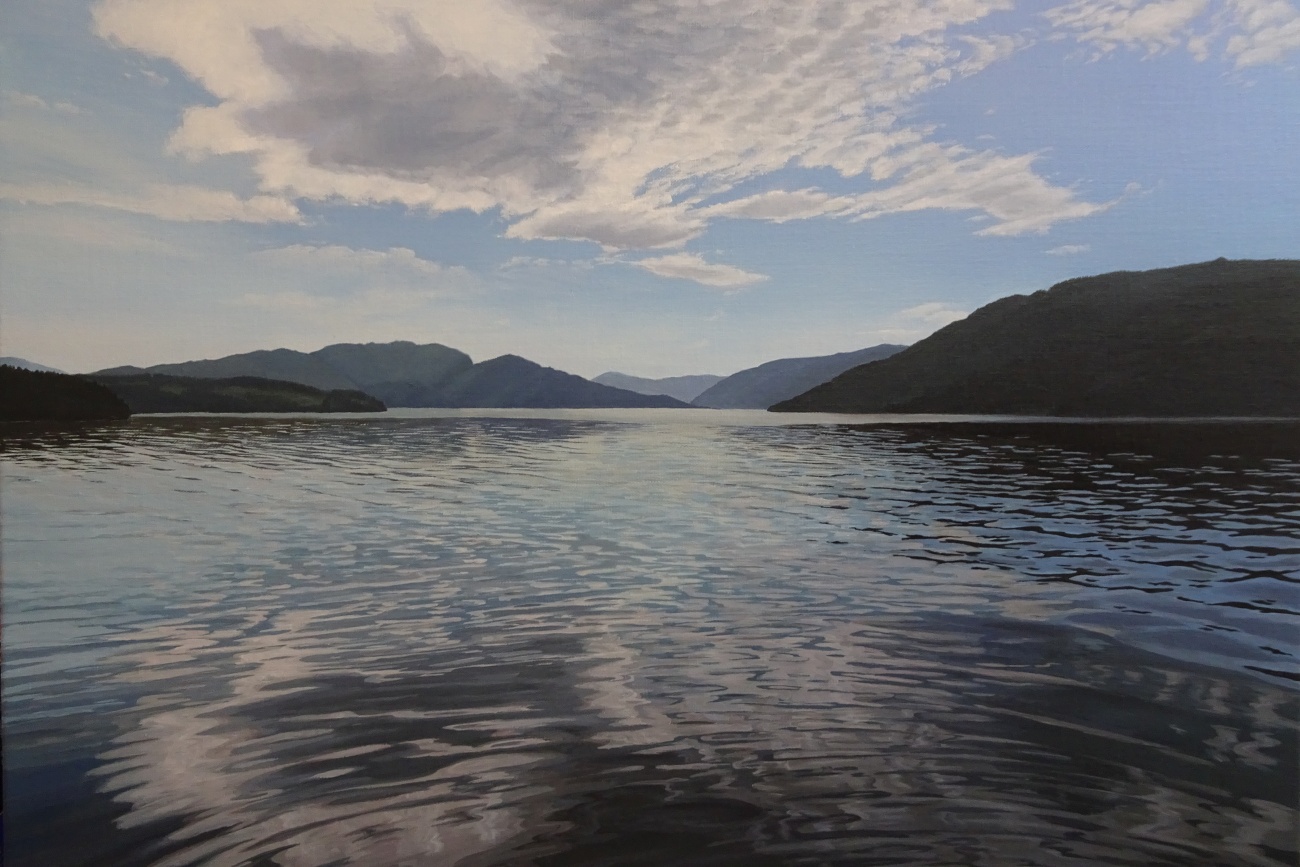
x: 650, y: 637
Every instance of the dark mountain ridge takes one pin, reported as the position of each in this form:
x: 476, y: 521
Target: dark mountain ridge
x: 46, y: 395
x: 156, y: 392
x: 1218, y: 338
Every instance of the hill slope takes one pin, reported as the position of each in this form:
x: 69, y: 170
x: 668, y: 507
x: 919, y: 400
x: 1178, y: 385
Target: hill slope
x: 511, y: 381
x: 32, y: 395
x: 760, y: 387
x: 388, y: 371
x: 148, y: 392
x: 24, y: 364
x: 685, y: 388
x: 408, y: 374
x: 1216, y: 338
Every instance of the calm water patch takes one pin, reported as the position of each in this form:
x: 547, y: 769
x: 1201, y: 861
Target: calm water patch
x: 649, y: 637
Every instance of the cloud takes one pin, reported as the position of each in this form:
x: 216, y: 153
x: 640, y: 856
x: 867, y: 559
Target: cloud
x: 1155, y: 25
x: 779, y: 206
x: 1257, y: 31
x: 954, y: 179
x: 335, y: 257
x: 334, y: 271
x: 516, y: 263
x: 179, y: 202
x: 1069, y: 249
x: 335, y: 274
x: 911, y: 324
x: 689, y: 266
x: 631, y: 125
x: 933, y: 313
x: 380, y: 304
x: 31, y: 100
x: 1269, y: 30
x: 335, y: 289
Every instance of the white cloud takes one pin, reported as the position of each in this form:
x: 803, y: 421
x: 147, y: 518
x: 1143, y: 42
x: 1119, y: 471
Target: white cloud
x: 911, y: 324
x: 179, y: 202
x: 340, y: 258
x: 932, y: 313
x: 333, y: 289
x: 953, y: 179
x: 630, y: 125
x: 1155, y: 25
x: 1069, y: 249
x: 31, y: 100
x: 779, y: 206
x: 515, y: 263
x: 1269, y: 30
x: 690, y: 266
x: 92, y: 232
x: 325, y: 276
x: 383, y: 303
x: 1257, y: 31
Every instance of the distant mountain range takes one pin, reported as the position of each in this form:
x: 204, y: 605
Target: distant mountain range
x: 511, y: 381
x: 681, y: 387
x: 1218, y: 338
x: 24, y: 364
x: 760, y: 387
x: 393, y: 372
x: 408, y: 374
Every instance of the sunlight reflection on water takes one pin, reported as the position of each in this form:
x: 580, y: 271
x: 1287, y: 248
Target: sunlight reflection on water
x: 643, y: 638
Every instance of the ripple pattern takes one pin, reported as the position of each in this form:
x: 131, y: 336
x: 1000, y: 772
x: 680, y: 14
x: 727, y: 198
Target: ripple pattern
x: 643, y: 638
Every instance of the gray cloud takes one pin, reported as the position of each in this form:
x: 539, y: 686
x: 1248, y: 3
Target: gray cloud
x: 627, y: 124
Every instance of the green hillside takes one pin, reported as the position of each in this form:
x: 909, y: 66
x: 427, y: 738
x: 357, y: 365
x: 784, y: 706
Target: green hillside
x: 151, y: 392
x: 32, y: 395
x: 1215, y: 339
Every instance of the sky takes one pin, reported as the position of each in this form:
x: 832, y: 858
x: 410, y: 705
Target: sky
x: 658, y: 187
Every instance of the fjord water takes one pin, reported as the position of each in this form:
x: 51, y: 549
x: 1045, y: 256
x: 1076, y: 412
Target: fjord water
x: 645, y: 637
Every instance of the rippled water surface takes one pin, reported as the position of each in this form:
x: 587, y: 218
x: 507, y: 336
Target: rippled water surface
x: 643, y: 638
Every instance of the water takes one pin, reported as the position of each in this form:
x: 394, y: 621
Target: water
x: 648, y: 637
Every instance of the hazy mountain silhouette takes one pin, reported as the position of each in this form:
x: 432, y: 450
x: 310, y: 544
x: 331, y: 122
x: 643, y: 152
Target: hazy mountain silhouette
x: 511, y: 381
x: 408, y: 374
x: 1214, y: 339
x: 24, y: 364
x: 387, y: 371
x: 154, y: 392
x: 760, y: 387
x: 685, y: 388
x: 42, y: 395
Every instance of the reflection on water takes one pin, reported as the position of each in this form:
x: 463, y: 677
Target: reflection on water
x: 654, y: 638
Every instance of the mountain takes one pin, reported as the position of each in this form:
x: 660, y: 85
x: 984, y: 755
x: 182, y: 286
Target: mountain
x: 396, y: 373
x: 685, y: 388
x: 24, y: 364
x: 760, y: 387
x: 152, y: 392
x: 408, y: 374
x: 1214, y: 339
x: 511, y: 381
x: 388, y: 371
x: 32, y: 395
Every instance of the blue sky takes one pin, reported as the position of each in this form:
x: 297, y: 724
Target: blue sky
x: 662, y: 188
